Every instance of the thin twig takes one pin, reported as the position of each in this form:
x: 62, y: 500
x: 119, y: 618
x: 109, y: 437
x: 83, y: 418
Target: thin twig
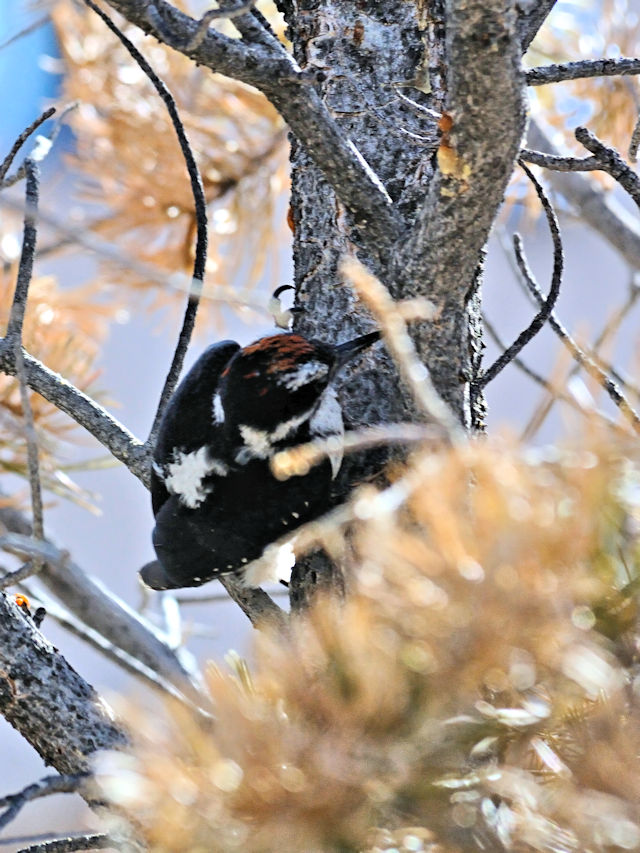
x: 606, y: 367
x: 200, y: 204
x: 25, y: 31
x: 543, y: 74
x: 40, y: 149
x: 14, y: 337
x: 634, y: 143
x: 560, y: 164
x: 26, y: 133
x: 547, y: 305
x: 394, y: 329
x: 215, y: 15
x: 524, y: 367
x: 90, y: 841
x: 581, y: 357
x: 608, y: 331
x: 25, y: 269
x: 611, y: 162
x: 13, y: 803
x: 27, y: 570
x: 554, y: 393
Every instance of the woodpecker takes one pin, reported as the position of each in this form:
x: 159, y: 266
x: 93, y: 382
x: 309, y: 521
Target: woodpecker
x: 217, y: 505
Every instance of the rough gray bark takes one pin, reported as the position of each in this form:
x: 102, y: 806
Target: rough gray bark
x: 462, y: 58
x: 65, y: 730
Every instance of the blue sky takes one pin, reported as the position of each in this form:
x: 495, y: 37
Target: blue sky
x: 25, y: 84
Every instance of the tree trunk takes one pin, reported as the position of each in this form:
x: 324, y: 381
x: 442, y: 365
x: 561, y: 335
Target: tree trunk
x: 377, y: 65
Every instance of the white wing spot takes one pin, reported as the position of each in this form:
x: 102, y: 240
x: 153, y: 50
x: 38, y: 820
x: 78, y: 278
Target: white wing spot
x: 218, y: 410
x: 185, y: 474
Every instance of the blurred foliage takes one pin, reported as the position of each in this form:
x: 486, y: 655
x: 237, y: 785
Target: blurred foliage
x: 65, y: 330
x: 133, y: 171
x: 589, y: 29
x: 477, y: 690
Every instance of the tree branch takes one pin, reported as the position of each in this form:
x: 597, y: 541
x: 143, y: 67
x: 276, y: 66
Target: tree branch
x: 530, y: 22
x: 82, y: 409
x: 559, y: 164
x: 88, y: 841
x: 599, y: 210
x: 274, y: 72
x: 611, y: 162
x: 547, y: 306
x: 481, y: 134
x: 14, y: 336
x: 26, y: 133
x: 543, y: 74
x: 13, y: 803
x: 42, y: 697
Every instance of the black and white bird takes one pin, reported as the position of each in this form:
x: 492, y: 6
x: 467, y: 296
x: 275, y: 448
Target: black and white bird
x: 216, y: 503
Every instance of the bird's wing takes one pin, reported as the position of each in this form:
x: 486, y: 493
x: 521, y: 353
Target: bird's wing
x: 188, y: 422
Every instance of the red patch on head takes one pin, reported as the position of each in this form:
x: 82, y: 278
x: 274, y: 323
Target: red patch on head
x: 282, y: 352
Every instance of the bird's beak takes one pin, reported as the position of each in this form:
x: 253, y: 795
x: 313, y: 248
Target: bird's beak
x: 345, y: 352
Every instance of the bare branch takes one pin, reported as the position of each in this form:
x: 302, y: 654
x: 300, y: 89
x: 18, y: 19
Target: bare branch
x: 13, y: 803
x: 25, y: 269
x: 25, y: 31
x: 581, y: 357
x: 256, y: 604
x: 26, y: 133
x: 611, y: 162
x: 14, y: 336
x: 41, y: 148
x: 598, y: 209
x: 30, y: 568
x: 543, y: 74
x: 82, y: 409
x: 90, y: 841
x: 548, y: 304
x: 560, y: 164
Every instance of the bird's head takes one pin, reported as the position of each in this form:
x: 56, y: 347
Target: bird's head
x: 280, y: 379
